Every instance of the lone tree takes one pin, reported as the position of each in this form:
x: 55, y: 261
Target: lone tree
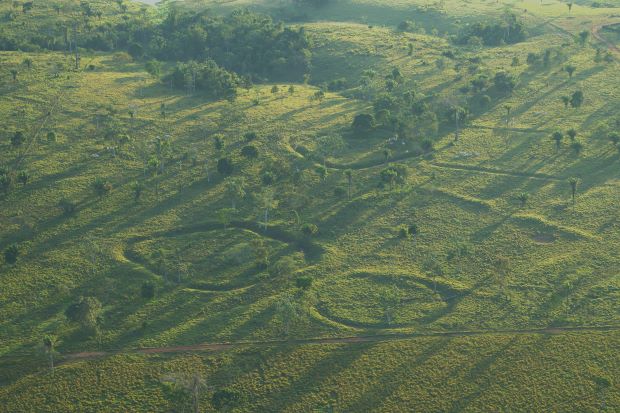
x: 101, y: 187
x: 389, y: 299
x: 583, y: 37
x: 523, y: 198
x: 557, y: 137
x: 577, y: 147
x: 571, y: 133
x: 566, y: 101
x: 49, y: 346
x: 573, y: 182
x: 225, y: 166
x: 576, y: 99
x: 18, y: 139
x: 349, y: 174
x: 11, y: 253
x: 86, y: 312
x: 235, y: 188
x: 570, y: 69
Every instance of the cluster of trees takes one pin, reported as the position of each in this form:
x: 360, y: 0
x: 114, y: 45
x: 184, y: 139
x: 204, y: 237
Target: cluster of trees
x: 206, y: 78
x: 246, y: 43
x: 509, y: 31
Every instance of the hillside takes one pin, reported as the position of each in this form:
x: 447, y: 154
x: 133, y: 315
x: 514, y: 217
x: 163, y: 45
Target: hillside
x: 394, y: 210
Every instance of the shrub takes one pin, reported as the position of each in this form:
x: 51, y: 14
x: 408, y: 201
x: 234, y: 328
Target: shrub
x: 11, y: 253
x: 225, y: 166
x: 309, y: 229
x: 68, y: 207
x: 268, y: 178
x: 363, y: 123
x: 147, y: 290
x: 303, y: 282
x: 249, y: 151
x: 250, y: 136
x: 101, y: 187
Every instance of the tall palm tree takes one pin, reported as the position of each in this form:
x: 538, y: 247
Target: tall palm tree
x: 235, y: 187
x: 573, y: 186
x: 49, y: 345
x: 349, y: 175
x: 267, y: 202
x: 557, y: 137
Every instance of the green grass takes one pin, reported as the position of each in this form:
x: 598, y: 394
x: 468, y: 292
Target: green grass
x: 562, y: 257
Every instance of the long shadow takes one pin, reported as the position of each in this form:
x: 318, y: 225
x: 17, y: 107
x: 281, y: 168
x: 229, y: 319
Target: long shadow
x: 477, y: 370
x: 389, y: 381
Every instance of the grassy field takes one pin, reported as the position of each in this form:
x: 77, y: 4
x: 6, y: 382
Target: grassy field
x: 558, y: 264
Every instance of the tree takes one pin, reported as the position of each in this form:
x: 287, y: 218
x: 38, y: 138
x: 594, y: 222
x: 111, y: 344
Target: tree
x: 153, y: 68
x: 322, y: 172
x: 18, y: 139
x: 386, y: 155
x: 138, y: 188
x: 573, y: 182
x: 49, y: 346
x: 566, y: 101
x: 225, y: 166
x: 614, y: 137
x: 235, y: 188
x: 570, y: 7
x: 14, y: 73
x: 349, y: 174
x: 23, y: 177
x: 101, y: 187
x: 363, y: 123
x: 576, y: 99
x: 329, y: 145
x: 577, y: 147
x: 11, y: 253
x: 389, y: 300
x: 287, y: 312
x: 274, y: 89
x: 147, y: 290
x: 504, y: 82
x: 267, y: 202
x: 249, y: 151
x: 523, y: 198
x: 557, y: 137
x: 501, y: 265
x: 570, y: 69
x: 309, y: 229
x: 583, y: 37
x: 571, y: 133
x: 86, y: 312
x: 67, y: 206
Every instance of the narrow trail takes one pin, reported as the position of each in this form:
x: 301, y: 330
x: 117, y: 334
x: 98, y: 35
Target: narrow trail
x: 494, y: 171
x: 595, y: 33
x: 379, y: 338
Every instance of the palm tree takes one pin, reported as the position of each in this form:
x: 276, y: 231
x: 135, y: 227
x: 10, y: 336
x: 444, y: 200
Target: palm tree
x: 557, y: 137
x: 235, y: 187
x: 267, y: 202
x: 349, y: 174
x: 573, y: 186
x: 508, y: 108
x: 49, y: 345
x: 14, y: 74
x: 570, y: 69
x: 571, y: 133
x: 523, y: 198
x: 577, y: 147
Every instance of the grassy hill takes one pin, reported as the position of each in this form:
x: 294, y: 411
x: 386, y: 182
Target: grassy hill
x: 504, y: 296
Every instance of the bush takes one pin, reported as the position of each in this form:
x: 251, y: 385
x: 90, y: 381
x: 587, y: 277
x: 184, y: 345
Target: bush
x: 147, y: 290
x: 249, y: 151
x: 250, y: 136
x: 309, y: 229
x: 303, y: 282
x: 225, y: 166
x: 363, y: 123
x: 11, y: 254
x: 268, y: 178
x: 68, y: 207
x: 101, y: 187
